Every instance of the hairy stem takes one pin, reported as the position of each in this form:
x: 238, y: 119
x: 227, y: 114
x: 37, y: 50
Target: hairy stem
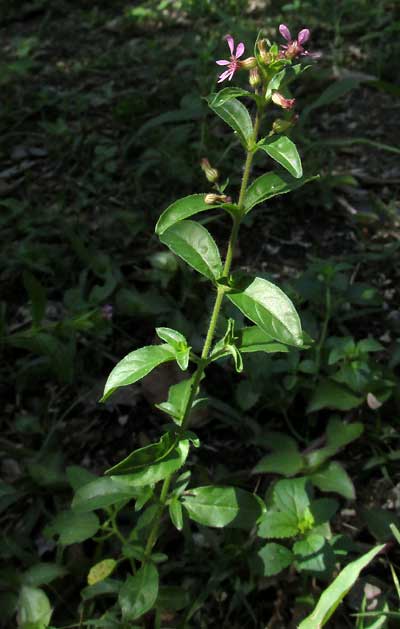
x: 153, y: 535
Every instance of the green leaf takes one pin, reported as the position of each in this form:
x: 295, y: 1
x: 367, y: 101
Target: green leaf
x: 72, y: 527
x: 178, y: 397
x: 277, y: 524
x: 43, y: 574
x: 314, y: 554
x: 283, y: 151
x: 175, y: 512
x: 135, y: 366
x: 333, y: 477
x: 285, y: 458
x: 34, y: 610
x: 102, y: 493
x: 235, y: 114
x: 108, y: 587
x: 227, y: 93
x: 152, y: 463
x: 336, y: 591
x: 194, y: 244
x: 79, y: 476
x: 323, y: 510
x: 339, y: 433
x: 270, y: 185
x: 172, y: 337
x: 139, y: 592
x: 274, y: 558
x: 101, y: 571
x: 270, y: 309
x: 183, y: 208
x: 292, y: 496
x: 329, y: 394
x: 222, y: 506
x: 37, y: 295
x: 252, y: 339
x: 378, y: 522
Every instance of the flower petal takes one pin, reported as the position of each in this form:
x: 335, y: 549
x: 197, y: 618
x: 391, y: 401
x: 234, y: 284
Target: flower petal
x: 224, y: 76
x: 284, y: 31
x: 223, y: 62
x: 231, y: 43
x: 303, y: 36
x: 239, y: 50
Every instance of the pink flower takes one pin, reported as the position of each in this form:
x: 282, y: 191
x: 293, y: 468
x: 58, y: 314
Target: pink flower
x: 294, y: 47
x: 233, y: 63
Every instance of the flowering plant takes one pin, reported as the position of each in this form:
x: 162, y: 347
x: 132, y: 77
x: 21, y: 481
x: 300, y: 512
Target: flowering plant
x: 149, y: 486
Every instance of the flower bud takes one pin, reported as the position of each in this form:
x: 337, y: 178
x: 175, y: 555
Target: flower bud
x: 285, y: 103
x: 254, y: 78
x: 264, y: 55
x: 212, y: 198
x: 211, y: 173
x: 249, y: 63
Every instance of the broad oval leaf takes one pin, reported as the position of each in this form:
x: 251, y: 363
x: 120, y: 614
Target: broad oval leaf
x: 222, y: 506
x: 135, y: 366
x: 272, y: 559
x: 333, y: 477
x: 271, y: 310
x: 183, y: 208
x: 283, y: 151
x: 72, y: 527
x: 252, y: 339
x: 43, y: 574
x: 34, y: 609
x: 236, y: 115
x: 333, y: 595
x: 314, y: 554
x: 102, y: 493
x: 227, y: 93
x: 271, y: 185
x: 330, y: 394
x: 194, y: 244
x: 139, y: 592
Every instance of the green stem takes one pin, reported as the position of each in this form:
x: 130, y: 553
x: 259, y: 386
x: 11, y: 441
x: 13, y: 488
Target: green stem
x: 153, y: 535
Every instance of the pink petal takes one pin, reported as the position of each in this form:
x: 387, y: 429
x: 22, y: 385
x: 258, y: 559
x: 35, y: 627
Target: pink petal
x: 224, y: 76
x: 239, y: 50
x: 284, y: 31
x: 223, y: 62
x: 231, y: 43
x: 303, y: 36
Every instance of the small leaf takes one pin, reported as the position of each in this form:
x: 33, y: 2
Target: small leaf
x: 176, y: 515
x: 222, y: 506
x: 194, y: 244
x: 182, y: 209
x: 139, y: 592
x: 278, y: 524
x: 270, y: 185
x: 292, y: 496
x: 236, y: 115
x: 135, y: 366
x: 274, y: 558
x: 43, y: 574
x: 252, y: 339
x: 101, y: 571
x: 34, y: 610
x: 333, y: 477
x: 336, y: 591
x: 285, y: 458
x: 178, y: 397
x: 329, y: 394
x: 152, y: 463
x: 283, y: 151
x: 172, y: 337
x: 270, y: 309
x: 339, y: 433
x: 102, y: 493
x: 314, y: 554
x: 72, y: 527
